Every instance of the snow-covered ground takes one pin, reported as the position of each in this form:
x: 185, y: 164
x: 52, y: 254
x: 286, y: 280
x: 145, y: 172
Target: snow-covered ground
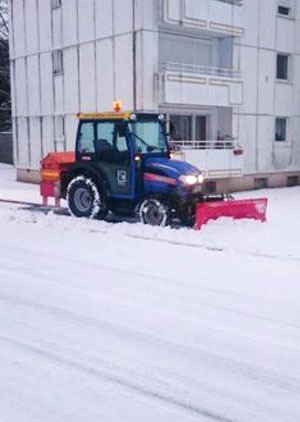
x: 122, y: 322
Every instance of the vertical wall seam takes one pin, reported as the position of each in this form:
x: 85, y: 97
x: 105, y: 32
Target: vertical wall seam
x: 27, y: 86
x: 95, y: 57
x: 114, y: 47
x: 257, y: 90
x: 39, y: 79
x: 78, y: 56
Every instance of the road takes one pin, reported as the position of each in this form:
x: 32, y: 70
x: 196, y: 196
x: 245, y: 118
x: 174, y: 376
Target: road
x: 103, y: 322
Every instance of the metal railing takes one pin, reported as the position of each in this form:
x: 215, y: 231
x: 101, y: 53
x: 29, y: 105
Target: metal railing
x: 200, y: 69
x: 205, y: 145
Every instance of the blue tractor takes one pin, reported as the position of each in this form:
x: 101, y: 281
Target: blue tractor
x: 123, y: 164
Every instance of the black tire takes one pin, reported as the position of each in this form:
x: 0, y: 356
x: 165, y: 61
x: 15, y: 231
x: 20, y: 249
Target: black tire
x: 86, y: 198
x: 155, y: 212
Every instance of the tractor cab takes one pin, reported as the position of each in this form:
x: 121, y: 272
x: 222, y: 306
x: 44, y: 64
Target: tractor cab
x: 118, y: 145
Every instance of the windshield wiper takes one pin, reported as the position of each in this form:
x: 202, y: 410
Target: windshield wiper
x: 140, y: 139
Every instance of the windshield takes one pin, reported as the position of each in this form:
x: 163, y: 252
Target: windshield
x: 148, y: 136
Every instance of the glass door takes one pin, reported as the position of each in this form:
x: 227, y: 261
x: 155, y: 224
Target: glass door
x: 181, y: 127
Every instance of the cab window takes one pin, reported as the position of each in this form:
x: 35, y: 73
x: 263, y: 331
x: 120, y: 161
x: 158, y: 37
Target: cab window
x: 111, y: 142
x: 86, y: 138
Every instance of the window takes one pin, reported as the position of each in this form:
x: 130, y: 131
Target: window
x: 148, y: 136
x: 57, y: 62
x: 181, y: 127
x: 285, y: 11
x: 111, y: 142
x: 285, y: 8
x: 55, y: 3
x: 281, y: 129
x: 86, y: 138
x: 282, y: 67
x: 201, y: 128
x: 292, y: 181
x: 59, y: 129
x: 261, y: 183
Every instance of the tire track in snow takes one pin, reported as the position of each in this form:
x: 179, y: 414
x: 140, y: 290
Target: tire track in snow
x: 165, y: 280
x: 64, y: 213
x: 123, y: 382
x: 247, y: 370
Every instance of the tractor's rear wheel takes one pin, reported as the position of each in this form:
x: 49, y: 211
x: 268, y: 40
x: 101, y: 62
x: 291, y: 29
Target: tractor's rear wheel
x: 86, y: 198
x: 155, y: 212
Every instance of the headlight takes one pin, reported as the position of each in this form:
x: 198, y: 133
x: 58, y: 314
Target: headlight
x: 188, y: 179
x: 200, y: 178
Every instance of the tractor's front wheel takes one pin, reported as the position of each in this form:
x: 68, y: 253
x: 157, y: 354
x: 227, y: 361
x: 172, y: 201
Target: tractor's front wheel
x: 86, y: 198
x: 155, y: 212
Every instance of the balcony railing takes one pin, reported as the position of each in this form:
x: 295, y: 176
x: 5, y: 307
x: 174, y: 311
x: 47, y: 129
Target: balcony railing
x: 196, y: 145
x: 216, y: 159
x: 218, y: 17
x: 201, y: 69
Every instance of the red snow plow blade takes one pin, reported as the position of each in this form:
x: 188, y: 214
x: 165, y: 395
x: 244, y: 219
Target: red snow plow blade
x: 237, y: 209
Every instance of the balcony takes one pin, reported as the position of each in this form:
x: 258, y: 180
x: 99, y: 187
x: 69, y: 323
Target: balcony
x: 216, y: 159
x: 200, y: 85
x: 218, y: 17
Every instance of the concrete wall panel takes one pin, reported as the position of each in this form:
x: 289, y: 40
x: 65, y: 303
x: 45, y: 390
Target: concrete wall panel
x: 87, y: 78
x: 249, y: 71
x: 266, y: 79
x: 268, y: 17
x: 58, y: 94
x: 47, y: 89
x: 86, y: 20
x: 44, y: 15
x: 250, y: 21
x: 123, y: 21
x: 69, y: 10
x: 23, y: 142
x: 105, y: 75
x: 34, y: 108
x: 247, y: 138
x: 147, y: 71
x: 286, y: 43
x: 70, y: 132
x: 35, y: 142
x: 32, y: 36
x: 284, y: 100
x: 57, y: 35
x: 104, y: 18
x: 265, y: 137
x: 19, y: 28
x: 48, y: 134
x: 124, y: 70
x: 21, y: 87
x: 71, y: 83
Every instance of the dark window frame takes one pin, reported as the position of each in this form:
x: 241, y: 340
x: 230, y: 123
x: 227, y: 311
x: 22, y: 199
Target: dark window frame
x: 58, y: 62
x: 55, y: 4
x: 279, y: 138
x: 283, y: 73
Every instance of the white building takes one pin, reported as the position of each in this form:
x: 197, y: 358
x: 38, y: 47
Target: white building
x: 224, y: 71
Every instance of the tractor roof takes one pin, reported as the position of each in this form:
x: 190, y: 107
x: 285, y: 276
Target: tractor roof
x: 105, y: 116
x: 118, y: 115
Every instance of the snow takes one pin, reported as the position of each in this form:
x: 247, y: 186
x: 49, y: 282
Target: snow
x: 125, y: 322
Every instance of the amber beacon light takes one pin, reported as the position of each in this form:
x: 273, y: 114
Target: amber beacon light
x: 117, y: 105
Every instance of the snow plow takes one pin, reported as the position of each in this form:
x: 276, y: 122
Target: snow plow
x: 122, y: 163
